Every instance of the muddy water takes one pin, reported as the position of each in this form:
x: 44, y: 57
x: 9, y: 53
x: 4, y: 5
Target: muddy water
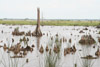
x: 45, y: 59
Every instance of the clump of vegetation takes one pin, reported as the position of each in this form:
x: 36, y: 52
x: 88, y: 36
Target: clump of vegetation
x: 18, y: 50
x: 28, y: 33
x: 54, y: 53
x: 41, y: 50
x: 89, y: 57
x: 24, y: 39
x: 87, y: 40
x: 97, y: 53
x: 69, y: 50
x: 17, y: 32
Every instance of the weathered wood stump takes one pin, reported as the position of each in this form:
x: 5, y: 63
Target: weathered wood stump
x: 37, y: 31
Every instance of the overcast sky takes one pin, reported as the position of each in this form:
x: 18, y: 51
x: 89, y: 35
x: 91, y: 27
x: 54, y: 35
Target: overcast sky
x: 51, y: 9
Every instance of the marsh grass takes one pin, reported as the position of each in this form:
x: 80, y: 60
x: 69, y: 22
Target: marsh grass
x: 51, y: 22
x: 52, y: 59
x: 86, y: 62
x: 7, y: 61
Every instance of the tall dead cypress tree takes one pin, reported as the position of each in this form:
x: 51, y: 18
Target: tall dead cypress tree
x: 37, y: 31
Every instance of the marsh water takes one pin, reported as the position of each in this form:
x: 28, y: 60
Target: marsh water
x: 45, y: 59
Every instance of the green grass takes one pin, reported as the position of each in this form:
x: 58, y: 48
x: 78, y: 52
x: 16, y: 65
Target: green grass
x: 52, y: 22
x: 17, y: 22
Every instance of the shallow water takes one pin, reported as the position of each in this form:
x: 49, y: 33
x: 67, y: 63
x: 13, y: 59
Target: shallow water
x: 36, y: 59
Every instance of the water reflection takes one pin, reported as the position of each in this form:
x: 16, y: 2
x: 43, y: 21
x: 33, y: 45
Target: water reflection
x: 48, y: 51
x: 38, y: 42
x: 86, y: 56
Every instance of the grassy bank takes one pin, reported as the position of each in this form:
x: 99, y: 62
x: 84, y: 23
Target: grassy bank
x: 53, y: 22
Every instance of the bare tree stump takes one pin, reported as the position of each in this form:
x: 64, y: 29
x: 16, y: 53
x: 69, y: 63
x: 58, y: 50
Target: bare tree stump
x: 37, y: 31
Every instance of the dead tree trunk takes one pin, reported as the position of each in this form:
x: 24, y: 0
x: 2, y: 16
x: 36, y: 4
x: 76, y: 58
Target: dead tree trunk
x: 37, y: 31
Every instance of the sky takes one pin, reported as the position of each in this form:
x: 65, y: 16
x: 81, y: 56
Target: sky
x: 50, y: 9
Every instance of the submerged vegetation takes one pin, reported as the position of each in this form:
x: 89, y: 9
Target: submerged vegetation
x: 52, y: 22
x: 53, y: 49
